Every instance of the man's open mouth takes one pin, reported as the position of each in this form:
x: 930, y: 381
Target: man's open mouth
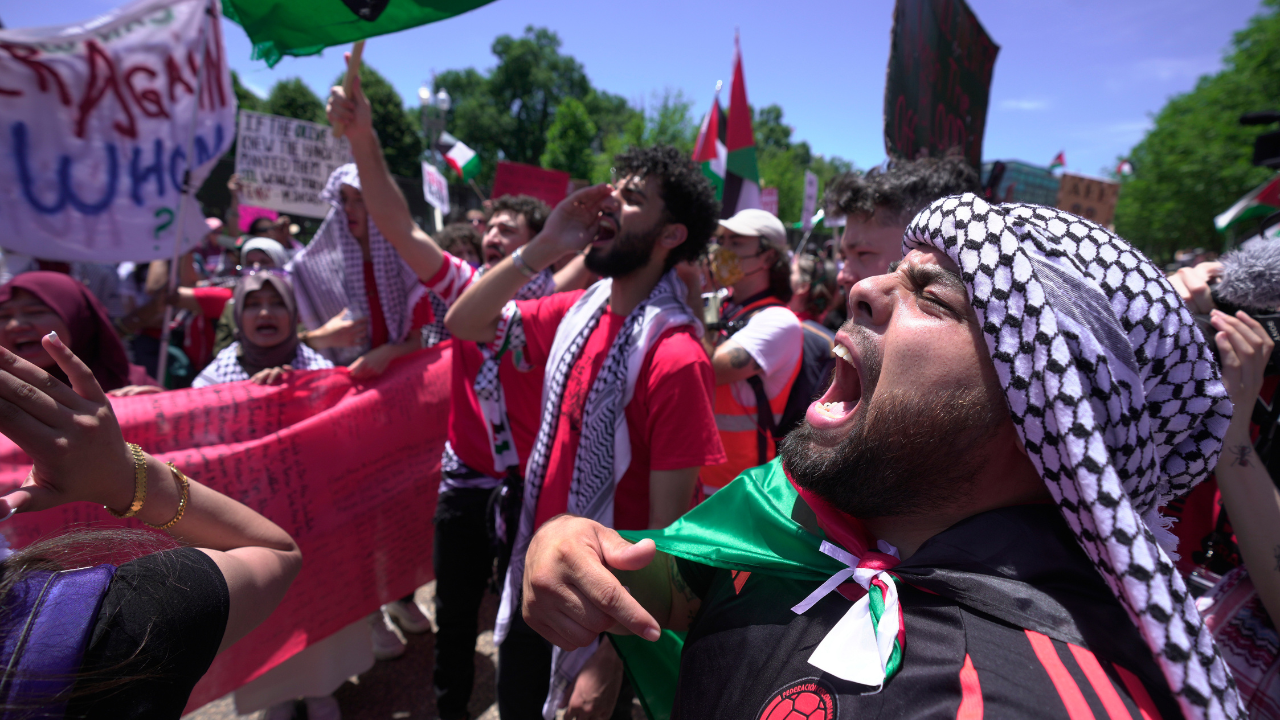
x: 607, y: 231
x: 492, y: 255
x: 838, y: 405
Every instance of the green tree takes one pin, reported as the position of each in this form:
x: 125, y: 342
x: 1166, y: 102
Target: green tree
x: 398, y: 128
x: 667, y: 121
x: 569, y: 140
x: 783, y: 163
x: 245, y: 98
x: 292, y: 98
x: 507, y: 113
x: 1195, y: 161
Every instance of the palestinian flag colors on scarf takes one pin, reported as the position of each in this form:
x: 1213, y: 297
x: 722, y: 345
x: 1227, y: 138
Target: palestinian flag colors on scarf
x: 461, y: 158
x: 1259, y: 203
x: 726, y: 147
x: 747, y: 527
x: 305, y: 27
x: 1059, y: 162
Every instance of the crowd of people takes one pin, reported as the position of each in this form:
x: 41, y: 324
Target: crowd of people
x: 932, y: 470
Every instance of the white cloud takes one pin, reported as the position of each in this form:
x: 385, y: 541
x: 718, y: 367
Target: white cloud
x: 1025, y: 104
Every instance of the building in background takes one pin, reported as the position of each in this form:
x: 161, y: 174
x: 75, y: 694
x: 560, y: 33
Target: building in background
x: 1090, y: 198
x: 1024, y: 182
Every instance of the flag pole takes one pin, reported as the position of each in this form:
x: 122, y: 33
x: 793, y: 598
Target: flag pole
x: 184, y: 199
x: 476, y: 187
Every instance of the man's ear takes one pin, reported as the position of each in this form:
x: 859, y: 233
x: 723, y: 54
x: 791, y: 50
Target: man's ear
x: 673, y: 235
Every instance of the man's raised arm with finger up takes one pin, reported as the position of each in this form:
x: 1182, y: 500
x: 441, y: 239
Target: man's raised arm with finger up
x: 965, y: 525
x: 627, y: 422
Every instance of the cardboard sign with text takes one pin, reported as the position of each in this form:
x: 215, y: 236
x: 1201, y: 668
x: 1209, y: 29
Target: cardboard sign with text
x: 939, y: 80
x: 349, y: 468
x: 549, y: 186
x: 435, y: 189
x: 283, y: 163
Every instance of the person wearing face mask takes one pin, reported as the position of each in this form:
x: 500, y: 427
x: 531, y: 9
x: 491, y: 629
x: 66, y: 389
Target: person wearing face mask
x: 267, y: 346
x: 757, y: 347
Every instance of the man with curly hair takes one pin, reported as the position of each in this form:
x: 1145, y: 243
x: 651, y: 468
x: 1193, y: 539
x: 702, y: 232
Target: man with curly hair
x: 627, y: 420
x: 878, y: 205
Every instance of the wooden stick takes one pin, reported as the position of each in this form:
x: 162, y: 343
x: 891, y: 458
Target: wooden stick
x: 353, y: 71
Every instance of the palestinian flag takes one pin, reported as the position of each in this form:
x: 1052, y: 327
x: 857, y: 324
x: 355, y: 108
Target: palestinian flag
x: 726, y: 147
x: 305, y: 27
x: 746, y: 527
x: 1261, y: 202
x: 1059, y: 162
x: 461, y: 158
x: 1124, y: 168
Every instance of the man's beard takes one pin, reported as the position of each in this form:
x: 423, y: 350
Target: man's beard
x: 907, y: 454
x: 629, y: 252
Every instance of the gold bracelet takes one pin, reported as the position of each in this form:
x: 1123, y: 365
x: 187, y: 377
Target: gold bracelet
x: 182, y: 499
x: 139, y: 483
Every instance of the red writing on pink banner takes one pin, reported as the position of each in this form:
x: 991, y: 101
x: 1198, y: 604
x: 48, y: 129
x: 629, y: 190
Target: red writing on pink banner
x: 350, y: 469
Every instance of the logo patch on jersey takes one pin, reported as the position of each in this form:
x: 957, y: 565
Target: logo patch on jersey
x: 807, y: 699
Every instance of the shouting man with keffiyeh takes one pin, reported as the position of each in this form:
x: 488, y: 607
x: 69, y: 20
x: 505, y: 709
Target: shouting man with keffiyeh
x: 966, y: 524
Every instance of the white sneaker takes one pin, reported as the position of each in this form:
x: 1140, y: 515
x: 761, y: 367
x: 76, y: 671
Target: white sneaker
x: 323, y: 708
x: 387, y: 642
x: 409, y: 616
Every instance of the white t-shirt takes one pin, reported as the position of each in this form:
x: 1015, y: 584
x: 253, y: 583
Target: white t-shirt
x: 774, y: 339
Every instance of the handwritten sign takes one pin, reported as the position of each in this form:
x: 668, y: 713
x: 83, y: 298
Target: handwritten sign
x: 435, y: 189
x: 549, y: 186
x: 810, y: 200
x: 940, y: 64
x: 100, y: 123
x: 769, y: 200
x: 284, y: 162
x: 349, y: 469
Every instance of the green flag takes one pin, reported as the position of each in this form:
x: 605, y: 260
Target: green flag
x: 746, y: 526
x: 305, y: 27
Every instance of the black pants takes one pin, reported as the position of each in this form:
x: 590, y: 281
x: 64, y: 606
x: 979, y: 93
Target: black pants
x: 524, y: 676
x: 463, y: 561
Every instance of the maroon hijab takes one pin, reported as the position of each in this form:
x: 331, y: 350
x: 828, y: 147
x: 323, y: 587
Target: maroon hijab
x: 93, y: 337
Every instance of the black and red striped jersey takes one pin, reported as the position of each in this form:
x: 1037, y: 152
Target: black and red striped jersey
x: 1005, y: 617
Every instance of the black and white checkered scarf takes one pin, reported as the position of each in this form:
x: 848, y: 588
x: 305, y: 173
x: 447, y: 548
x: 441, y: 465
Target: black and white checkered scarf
x: 604, y: 450
x: 226, y: 367
x: 1115, y: 395
x: 328, y: 275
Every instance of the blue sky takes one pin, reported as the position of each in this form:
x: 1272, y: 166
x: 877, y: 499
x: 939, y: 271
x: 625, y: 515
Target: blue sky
x: 1081, y: 76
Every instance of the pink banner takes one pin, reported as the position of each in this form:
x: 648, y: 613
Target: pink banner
x: 350, y: 469
x: 249, y: 213
x: 549, y: 186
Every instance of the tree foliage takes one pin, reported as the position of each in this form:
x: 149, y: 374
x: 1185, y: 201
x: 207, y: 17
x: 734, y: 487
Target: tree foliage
x: 1195, y: 162
x: 569, y: 140
x: 782, y: 163
x: 292, y: 98
x: 245, y: 99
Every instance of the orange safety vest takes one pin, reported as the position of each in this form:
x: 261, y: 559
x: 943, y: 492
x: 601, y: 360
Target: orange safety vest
x: 739, y: 424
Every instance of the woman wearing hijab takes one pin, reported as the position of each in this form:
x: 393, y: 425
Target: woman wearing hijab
x: 263, y: 252
x: 267, y: 345
x: 36, y: 303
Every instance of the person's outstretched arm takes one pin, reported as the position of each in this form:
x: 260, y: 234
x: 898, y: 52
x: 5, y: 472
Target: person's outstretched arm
x: 386, y: 204
x: 1248, y: 493
x: 581, y: 579
x: 570, y: 227
x: 79, y: 454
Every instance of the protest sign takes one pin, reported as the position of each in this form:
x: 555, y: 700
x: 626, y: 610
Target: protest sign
x: 283, y: 163
x: 249, y: 213
x: 435, y: 189
x: 769, y: 200
x: 549, y: 186
x: 936, y: 93
x: 810, y: 200
x: 99, y: 123
x: 350, y: 469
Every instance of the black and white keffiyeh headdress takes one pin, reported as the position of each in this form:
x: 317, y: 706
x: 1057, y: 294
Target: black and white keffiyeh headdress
x: 328, y: 275
x: 1115, y: 395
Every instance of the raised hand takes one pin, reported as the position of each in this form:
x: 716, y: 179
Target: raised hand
x: 1244, y: 348
x: 570, y: 597
x: 352, y: 111
x: 573, y: 224
x: 71, y: 434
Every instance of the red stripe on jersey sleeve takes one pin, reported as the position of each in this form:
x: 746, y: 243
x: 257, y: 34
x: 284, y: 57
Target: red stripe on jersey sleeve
x: 1138, y: 692
x: 1088, y: 663
x: 1072, y: 698
x: 970, y: 692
